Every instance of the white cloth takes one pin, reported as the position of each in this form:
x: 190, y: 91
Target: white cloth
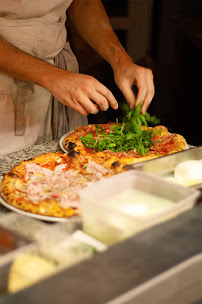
x: 38, y: 28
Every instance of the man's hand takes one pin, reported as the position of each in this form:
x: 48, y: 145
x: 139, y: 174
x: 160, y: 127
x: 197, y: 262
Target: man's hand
x: 127, y: 75
x: 82, y: 93
x: 92, y: 23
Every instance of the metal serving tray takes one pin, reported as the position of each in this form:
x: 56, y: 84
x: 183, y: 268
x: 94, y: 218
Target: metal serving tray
x: 166, y: 164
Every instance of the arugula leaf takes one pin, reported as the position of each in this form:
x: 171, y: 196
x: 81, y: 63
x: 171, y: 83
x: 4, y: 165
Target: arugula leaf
x: 126, y: 137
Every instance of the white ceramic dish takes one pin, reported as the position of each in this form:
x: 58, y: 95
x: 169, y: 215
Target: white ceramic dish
x: 61, y: 140
x: 37, y: 216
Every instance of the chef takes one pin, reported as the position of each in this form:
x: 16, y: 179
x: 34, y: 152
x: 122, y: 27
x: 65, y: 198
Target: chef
x: 42, y: 93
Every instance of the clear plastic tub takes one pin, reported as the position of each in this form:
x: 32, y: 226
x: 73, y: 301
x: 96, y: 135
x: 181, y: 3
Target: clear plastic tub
x: 117, y: 207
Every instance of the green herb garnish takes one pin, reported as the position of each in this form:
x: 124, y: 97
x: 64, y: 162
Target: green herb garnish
x: 126, y: 137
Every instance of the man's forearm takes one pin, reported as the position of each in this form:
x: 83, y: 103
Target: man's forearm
x: 18, y: 64
x: 90, y: 20
x: 72, y: 89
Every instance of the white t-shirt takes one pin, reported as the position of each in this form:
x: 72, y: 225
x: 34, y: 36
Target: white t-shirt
x: 38, y: 28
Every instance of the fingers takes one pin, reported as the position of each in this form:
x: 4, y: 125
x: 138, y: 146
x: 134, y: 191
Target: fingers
x: 92, y: 96
x: 96, y: 101
x: 142, y: 78
x: 80, y: 109
x: 85, y: 102
x: 128, y: 94
x: 104, y: 97
x: 96, y: 96
x: 150, y: 91
x: 145, y: 87
x: 142, y: 91
x: 148, y: 98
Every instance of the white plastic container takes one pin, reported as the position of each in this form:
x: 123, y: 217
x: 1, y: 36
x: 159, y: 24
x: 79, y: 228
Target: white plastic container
x: 109, y: 217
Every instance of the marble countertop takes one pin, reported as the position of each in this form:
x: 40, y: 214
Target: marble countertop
x: 8, y: 161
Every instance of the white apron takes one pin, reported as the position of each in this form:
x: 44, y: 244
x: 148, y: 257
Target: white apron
x: 37, y: 27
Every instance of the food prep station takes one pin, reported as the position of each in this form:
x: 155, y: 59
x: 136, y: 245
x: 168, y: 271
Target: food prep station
x: 153, y: 259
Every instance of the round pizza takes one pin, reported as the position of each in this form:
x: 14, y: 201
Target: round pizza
x: 49, y: 184
x: 100, y: 144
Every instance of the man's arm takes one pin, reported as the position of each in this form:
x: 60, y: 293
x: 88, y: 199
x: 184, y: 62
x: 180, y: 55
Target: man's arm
x: 21, y: 65
x: 90, y: 20
x: 72, y: 89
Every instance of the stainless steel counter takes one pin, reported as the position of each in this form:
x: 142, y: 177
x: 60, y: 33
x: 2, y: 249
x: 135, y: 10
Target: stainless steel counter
x: 147, y: 268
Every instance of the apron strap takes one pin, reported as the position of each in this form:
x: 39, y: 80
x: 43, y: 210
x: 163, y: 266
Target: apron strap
x: 64, y: 118
x: 59, y: 115
x: 24, y: 91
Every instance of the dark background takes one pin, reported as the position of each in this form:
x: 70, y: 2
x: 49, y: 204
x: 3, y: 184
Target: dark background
x: 174, y: 56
